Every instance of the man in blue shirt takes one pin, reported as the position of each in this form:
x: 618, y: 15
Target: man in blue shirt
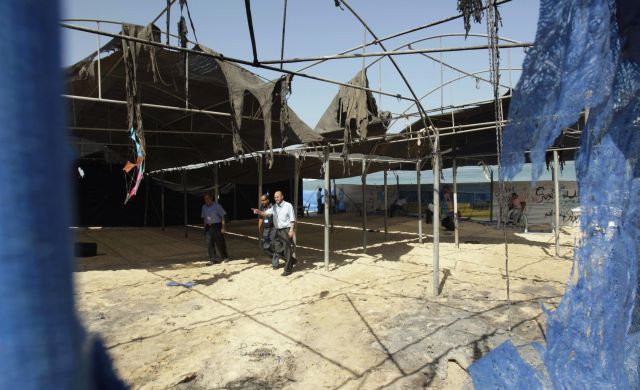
x: 214, y: 228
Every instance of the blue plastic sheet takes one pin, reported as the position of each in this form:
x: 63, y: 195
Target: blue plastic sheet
x: 577, y: 63
x: 503, y: 368
x: 42, y: 344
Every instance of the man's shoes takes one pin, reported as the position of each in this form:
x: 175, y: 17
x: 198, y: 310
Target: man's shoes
x: 275, y: 266
x: 286, y: 273
x: 215, y: 260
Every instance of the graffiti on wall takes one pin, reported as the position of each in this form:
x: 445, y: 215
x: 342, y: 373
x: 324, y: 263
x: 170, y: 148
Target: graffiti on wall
x: 540, y: 201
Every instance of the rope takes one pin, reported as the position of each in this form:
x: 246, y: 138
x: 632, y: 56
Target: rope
x: 193, y: 28
x: 493, y: 20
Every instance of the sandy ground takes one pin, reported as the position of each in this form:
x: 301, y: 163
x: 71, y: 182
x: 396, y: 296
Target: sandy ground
x: 370, y: 321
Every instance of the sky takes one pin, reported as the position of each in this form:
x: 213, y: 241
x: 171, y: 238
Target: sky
x: 316, y: 28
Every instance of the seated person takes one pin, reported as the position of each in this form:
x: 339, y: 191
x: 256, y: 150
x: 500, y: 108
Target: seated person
x: 516, y: 206
x: 428, y: 214
x: 397, y: 205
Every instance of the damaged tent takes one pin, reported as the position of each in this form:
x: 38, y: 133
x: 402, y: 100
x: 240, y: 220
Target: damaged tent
x: 159, y: 108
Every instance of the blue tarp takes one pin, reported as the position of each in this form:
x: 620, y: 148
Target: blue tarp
x: 578, y: 62
x: 42, y: 344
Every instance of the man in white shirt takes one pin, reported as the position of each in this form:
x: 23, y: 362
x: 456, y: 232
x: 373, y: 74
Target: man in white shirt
x: 284, y: 219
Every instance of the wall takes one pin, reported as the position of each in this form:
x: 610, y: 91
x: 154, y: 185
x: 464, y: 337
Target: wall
x: 540, y: 201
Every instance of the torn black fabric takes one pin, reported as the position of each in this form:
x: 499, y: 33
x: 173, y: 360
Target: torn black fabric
x: 352, y: 110
x: 240, y: 82
x: 469, y: 9
x: 182, y: 32
x: 353, y: 113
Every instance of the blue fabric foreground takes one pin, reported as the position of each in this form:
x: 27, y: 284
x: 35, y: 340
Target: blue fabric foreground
x: 42, y: 344
x: 582, y: 59
x: 503, y: 368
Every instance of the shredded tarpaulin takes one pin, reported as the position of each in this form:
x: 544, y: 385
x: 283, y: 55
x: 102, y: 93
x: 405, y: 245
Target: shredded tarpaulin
x: 468, y: 9
x: 130, y: 54
x: 285, y: 91
x: 354, y: 112
x: 576, y: 63
x: 240, y: 82
x: 207, y: 87
x: 182, y: 32
x: 86, y: 68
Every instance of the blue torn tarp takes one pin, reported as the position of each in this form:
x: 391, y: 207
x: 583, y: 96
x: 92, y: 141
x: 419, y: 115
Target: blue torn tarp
x: 42, y: 342
x: 504, y: 368
x: 578, y: 63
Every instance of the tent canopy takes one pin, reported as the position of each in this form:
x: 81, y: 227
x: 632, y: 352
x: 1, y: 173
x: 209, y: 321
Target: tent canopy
x: 252, y: 114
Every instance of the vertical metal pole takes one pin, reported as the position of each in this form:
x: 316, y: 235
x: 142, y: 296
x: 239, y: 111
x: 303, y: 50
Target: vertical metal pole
x: 99, y: 68
x: 291, y: 188
x: 335, y: 192
x: 501, y: 195
x: 260, y: 179
x: 364, y: 49
x: 184, y: 191
x: 380, y: 85
x: 455, y: 202
x: 215, y: 182
x: 556, y: 198
x: 436, y: 215
x: 186, y: 80
x: 441, y: 80
x: 509, y: 65
x: 296, y: 195
x: 284, y: 24
x: 334, y: 206
x: 386, y: 201
x: 146, y: 199
x: 364, y: 205
x: 162, y: 200
x: 235, y: 201
x: 168, y: 9
x: 259, y: 162
x: 418, y: 174
x: 491, y: 199
x: 326, y: 208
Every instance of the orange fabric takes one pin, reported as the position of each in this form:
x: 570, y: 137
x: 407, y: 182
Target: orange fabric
x: 129, y: 165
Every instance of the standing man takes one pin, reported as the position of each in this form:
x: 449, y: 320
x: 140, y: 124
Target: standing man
x: 265, y: 229
x: 214, y: 229
x: 319, y: 201
x: 284, y: 219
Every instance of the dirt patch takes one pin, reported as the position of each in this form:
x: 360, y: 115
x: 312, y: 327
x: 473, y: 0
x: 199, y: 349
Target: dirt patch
x: 370, y: 321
